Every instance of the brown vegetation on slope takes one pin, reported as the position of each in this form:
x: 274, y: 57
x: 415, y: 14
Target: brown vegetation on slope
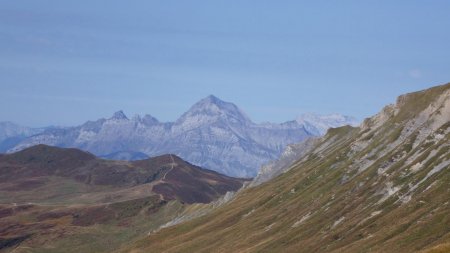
x: 66, y: 200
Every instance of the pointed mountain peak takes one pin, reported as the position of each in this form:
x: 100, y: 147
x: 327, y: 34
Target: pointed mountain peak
x: 213, y: 99
x: 212, y: 109
x: 212, y: 105
x: 119, y: 115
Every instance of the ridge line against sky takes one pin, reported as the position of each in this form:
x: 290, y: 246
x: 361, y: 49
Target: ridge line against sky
x: 64, y: 63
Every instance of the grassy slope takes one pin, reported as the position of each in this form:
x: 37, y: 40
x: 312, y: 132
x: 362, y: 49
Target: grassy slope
x: 81, y: 228
x: 351, y: 194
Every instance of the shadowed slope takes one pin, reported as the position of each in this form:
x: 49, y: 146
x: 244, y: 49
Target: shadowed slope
x: 190, y: 183
x: 37, y: 167
x: 66, y: 200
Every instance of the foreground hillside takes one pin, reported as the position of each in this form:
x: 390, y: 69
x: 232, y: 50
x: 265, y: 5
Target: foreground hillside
x: 67, y: 200
x: 382, y: 187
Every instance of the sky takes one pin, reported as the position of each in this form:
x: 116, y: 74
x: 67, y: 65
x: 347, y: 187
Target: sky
x: 66, y: 62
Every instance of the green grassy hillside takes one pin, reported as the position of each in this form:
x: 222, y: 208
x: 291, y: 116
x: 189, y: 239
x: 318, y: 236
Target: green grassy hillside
x: 382, y: 187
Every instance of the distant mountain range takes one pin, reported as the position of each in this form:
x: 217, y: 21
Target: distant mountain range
x: 213, y: 134
x: 11, y: 134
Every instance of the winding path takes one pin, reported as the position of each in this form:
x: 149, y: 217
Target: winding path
x: 171, y: 168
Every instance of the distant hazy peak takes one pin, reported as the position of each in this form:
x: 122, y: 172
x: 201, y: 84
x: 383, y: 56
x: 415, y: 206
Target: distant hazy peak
x: 328, y: 117
x: 119, y: 115
x: 213, y: 99
x: 149, y: 119
x: 213, y: 107
x: 318, y: 124
x: 12, y: 130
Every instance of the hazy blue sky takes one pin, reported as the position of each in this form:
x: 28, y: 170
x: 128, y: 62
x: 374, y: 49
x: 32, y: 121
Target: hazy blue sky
x: 64, y: 62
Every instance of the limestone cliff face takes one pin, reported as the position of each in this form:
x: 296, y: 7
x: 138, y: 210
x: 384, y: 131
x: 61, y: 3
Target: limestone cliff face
x: 292, y: 153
